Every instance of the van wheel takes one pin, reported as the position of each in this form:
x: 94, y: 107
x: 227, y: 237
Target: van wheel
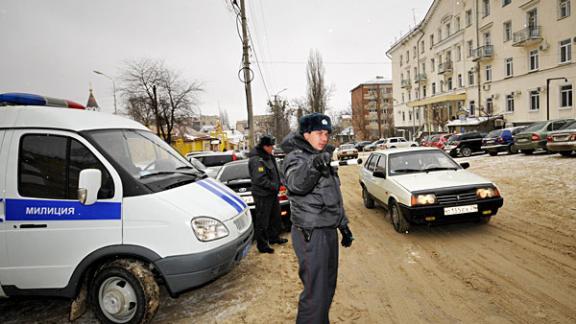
x: 466, y: 151
x: 400, y: 223
x: 124, y: 291
x: 368, y: 201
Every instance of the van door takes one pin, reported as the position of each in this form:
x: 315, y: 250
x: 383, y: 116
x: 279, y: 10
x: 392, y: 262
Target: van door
x: 48, y: 231
x: 3, y: 156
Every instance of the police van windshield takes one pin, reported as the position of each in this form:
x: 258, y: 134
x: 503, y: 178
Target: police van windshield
x: 142, y: 154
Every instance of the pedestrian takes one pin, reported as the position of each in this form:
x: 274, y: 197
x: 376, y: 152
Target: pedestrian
x: 317, y: 210
x: 265, y: 186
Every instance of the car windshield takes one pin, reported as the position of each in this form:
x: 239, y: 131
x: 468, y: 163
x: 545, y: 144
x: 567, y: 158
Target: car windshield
x: 534, y: 127
x: 420, y: 161
x: 234, y: 172
x: 144, y: 155
x: 495, y: 133
x: 216, y: 159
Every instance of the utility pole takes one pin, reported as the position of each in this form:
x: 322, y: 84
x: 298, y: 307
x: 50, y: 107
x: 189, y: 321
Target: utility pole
x: 247, y: 74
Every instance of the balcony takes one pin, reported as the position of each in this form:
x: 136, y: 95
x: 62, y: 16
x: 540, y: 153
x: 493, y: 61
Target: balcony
x: 406, y: 84
x: 445, y: 68
x: 527, y: 36
x: 483, y: 53
x: 421, y: 78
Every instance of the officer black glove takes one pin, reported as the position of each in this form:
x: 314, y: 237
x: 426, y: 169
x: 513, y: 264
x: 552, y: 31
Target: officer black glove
x: 347, y: 237
x: 322, y: 163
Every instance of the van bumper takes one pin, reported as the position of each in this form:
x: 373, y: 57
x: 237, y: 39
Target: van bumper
x: 183, y: 272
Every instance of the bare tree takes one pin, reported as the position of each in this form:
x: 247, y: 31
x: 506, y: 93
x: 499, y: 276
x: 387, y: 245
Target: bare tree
x: 317, y: 93
x: 138, y: 108
x: 161, y: 93
x: 224, y: 119
x: 280, y: 118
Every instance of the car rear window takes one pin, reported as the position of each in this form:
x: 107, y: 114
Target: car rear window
x: 235, y: 172
x: 569, y: 125
x: 495, y: 133
x: 534, y: 127
x: 215, y: 160
x: 347, y: 147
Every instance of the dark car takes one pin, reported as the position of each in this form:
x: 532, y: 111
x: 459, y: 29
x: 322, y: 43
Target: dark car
x: 464, y: 144
x: 501, y: 140
x: 215, y: 160
x: 360, y: 145
x: 534, y: 136
x: 374, y: 145
x: 236, y: 176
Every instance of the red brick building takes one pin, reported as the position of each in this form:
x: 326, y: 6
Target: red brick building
x: 372, y: 109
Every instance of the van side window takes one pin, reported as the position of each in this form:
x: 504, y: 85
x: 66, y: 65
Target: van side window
x: 49, y: 167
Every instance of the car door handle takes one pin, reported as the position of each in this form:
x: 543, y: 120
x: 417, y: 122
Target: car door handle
x: 33, y: 225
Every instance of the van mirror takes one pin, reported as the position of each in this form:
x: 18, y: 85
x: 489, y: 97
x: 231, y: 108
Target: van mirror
x: 88, y: 186
x: 465, y: 165
x: 379, y: 174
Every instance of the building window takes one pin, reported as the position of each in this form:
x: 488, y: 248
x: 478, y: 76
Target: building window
x: 432, y: 63
x: 407, y: 56
x: 441, y: 85
x: 533, y: 61
x: 471, y: 107
x: 564, y: 8
x: 470, y: 48
x: 509, y: 67
x: 424, y: 91
x: 506, y: 2
x: 421, y: 46
x: 468, y: 18
x: 534, y: 100
x: 485, y: 8
x: 488, y: 72
x: 510, y: 103
x: 458, y: 53
x: 489, y: 106
x: 460, y: 84
x: 449, y: 83
x: 487, y: 38
x: 418, y: 114
x: 409, y: 115
x: 423, y: 67
x: 414, y: 52
x: 566, y: 96
x: 401, y: 59
x: 470, y: 78
x: 433, y: 88
x: 402, y: 97
x: 448, y: 31
x: 403, y: 116
x: 431, y: 40
x: 507, y: 31
x: 439, y: 34
x: 457, y: 23
x: 565, y: 51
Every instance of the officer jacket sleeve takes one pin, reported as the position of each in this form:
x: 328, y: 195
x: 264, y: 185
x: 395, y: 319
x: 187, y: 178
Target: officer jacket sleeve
x: 300, y: 175
x: 259, y: 176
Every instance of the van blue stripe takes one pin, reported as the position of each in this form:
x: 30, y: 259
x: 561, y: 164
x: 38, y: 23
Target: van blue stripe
x: 225, y: 189
x: 58, y: 210
x: 221, y: 195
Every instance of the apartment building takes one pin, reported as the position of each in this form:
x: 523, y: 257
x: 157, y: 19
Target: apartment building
x: 470, y: 61
x: 372, y: 116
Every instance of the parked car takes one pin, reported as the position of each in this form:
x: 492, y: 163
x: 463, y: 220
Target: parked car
x: 373, y: 146
x: 426, y: 141
x: 236, y: 176
x: 347, y: 151
x: 501, y: 140
x: 464, y: 144
x: 534, y: 136
x: 360, y: 145
x: 278, y: 152
x: 439, y: 140
x: 425, y: 185
x: 215, y: 160
x: 563, y: 141
x: 395, y: 142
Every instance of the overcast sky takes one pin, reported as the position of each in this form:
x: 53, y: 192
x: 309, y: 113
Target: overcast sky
x: 50, y: 47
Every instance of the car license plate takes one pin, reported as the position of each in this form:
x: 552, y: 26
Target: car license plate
x: 248, y: 199
x: 460, y: 210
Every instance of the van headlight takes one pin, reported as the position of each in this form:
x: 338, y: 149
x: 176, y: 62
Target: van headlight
x: 489, y: 192
x: 426, y: 199
x: 208, y: 229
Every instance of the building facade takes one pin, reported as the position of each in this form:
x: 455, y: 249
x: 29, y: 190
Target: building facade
x: 476, y: 60
x: 372, y: 116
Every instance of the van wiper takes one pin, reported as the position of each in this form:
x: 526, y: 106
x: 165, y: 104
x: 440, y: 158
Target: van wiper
x: 194, y: 175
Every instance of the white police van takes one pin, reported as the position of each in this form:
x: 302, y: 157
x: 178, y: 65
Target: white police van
x: 95, y: 203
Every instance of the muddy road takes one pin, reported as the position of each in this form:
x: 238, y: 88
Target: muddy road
x: 519, y: 268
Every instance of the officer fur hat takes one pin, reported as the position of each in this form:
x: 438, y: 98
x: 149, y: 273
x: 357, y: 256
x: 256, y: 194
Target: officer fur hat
x: 267, y: 140
x: 314, y: 121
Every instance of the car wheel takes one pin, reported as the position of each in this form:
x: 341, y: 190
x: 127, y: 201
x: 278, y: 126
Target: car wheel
x: 413, y: 145
x: 124, y: 291
x: 512, y: 149
x: 527, y: 152
x: 484, y: 219
x: 368, y: 201
x: 566, y: 153
x: 492, y: 153
x: 466, y: 151
x: 400, y: 223
x: 453, y: 154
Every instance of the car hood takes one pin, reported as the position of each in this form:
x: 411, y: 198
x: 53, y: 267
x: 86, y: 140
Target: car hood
x: 439, y: 180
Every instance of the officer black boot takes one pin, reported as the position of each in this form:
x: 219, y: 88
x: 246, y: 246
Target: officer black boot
x: 278, y: 240
x: 265, y: 249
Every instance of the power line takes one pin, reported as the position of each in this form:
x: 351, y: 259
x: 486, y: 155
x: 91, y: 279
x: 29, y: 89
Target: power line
x: 332, y: 63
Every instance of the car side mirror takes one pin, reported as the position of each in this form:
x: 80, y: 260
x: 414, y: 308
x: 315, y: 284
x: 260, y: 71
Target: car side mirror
x: 465, y: 165
x: 88, y: 186
x: 379, y: 174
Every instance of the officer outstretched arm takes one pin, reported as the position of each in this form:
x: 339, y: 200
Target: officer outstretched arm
x: 301, y: 175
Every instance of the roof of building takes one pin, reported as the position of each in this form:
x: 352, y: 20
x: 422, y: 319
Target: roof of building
x: 91, y: 103
x: 377, y: 80
x: 416, y: 28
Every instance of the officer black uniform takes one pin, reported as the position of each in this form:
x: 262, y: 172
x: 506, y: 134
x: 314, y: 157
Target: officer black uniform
x: 316, y: 212
x: 265, y: 186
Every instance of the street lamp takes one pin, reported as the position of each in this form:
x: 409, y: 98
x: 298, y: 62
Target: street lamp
x: 548, y: 94
x: 279, y: 92
x: 113, y: 88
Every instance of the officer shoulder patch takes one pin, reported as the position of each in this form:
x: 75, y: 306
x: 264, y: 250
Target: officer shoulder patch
x: 260, y: 169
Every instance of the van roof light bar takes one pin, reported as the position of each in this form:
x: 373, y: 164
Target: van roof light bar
x: 28, y: 99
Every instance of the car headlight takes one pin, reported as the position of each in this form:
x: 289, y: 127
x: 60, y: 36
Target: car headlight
x: 427, y: 199
x: 484, y: 193
x: 208, y: 229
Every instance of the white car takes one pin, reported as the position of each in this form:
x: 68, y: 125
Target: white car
x: 425, y: 185
x: 395, y: 142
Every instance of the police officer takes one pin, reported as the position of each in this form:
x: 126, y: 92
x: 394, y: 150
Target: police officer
x: 317, y: 211
x: 265, y: 186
